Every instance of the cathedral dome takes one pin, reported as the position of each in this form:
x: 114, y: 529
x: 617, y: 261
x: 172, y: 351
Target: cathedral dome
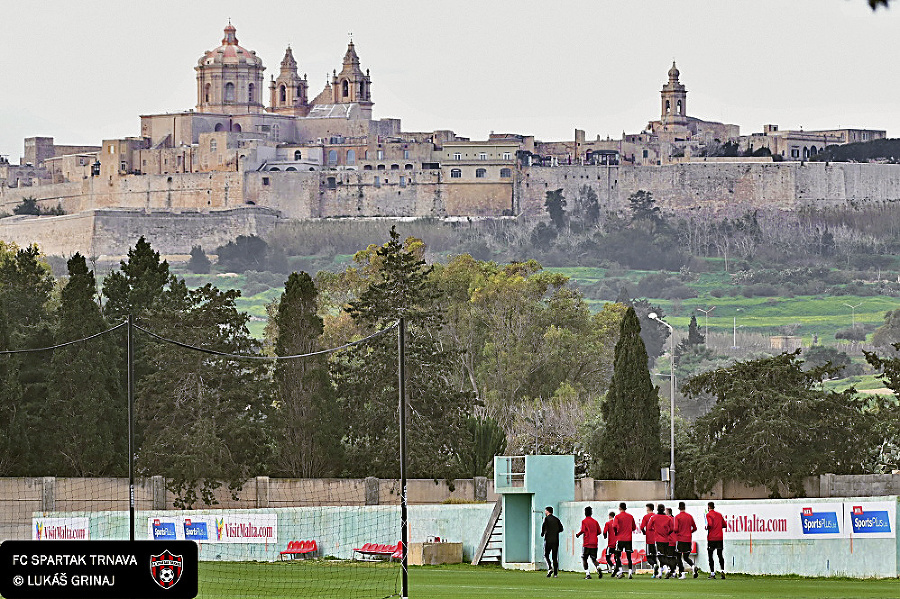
x: 230, y: 53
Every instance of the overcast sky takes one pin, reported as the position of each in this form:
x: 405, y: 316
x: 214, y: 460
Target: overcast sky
x: 84, y: 71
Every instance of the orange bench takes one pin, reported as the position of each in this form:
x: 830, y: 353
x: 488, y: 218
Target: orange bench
x: 300, y: 548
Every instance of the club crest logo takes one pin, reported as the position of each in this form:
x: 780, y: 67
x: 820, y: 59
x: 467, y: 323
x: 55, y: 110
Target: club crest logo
x: 166, y: 569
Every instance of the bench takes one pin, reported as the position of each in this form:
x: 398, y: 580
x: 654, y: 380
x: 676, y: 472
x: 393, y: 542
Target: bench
x: 380, y: 551
x: 300, y: 549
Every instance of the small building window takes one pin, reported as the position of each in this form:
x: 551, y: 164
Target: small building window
x: 213, y: 145
x: 402, y: 181
x: 332, y: 157
x: 351, y: 156
x: 505, y: 173
x: 250, y: 90
x: 456, y: 173
x: 377, y: 181
x: 265, y: 180
x: 282, y: 93
x: 229, y: 92
x: 457, y: 156
x: 482, y: 156
x: 380, y: 167
x: 395, y: 167
x: 507, y: 155
x: 298, y: 154
x: 408, y: 167
x: 345, y: 88
x: 206, y: 92
x: 380, y: 154
x: 367, y: 167
x: 332, y: 183
x: 406, y: 153
x: 480, y: 173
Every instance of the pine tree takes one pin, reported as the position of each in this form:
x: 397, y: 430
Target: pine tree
x: 630, y: 446
x: 695, y: 337
x: 86, y: 411
x: 366, y: 375
x: 308, y: 419
x: 138, y: 286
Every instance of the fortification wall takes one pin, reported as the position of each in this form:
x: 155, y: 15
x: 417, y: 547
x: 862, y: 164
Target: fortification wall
x: 111, y: 232
x: 178, y: 210
x: 718, y: 186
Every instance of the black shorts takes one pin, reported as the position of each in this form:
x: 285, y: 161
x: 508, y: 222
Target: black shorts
x: 713, y: 545
x: 651, y: 549
x: 683, y: 547
x: 623, y: 546
x: 665, y: 549
x: 587, y: 552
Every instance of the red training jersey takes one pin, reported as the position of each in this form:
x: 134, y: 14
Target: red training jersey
x: 715, y: 526
x: 684, y: 527
x: 672, y: 538
x: 645, y: 528
x: 609, y: 533
x: 660, y: 527
x: 624, y: 526
x: 590, y: 528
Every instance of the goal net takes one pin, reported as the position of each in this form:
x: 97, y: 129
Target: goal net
x: 65, y: 475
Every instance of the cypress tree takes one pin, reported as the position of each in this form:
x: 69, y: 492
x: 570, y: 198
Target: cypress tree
x: 309, y: 425
x: 86, y: 406
x: 630, y: 446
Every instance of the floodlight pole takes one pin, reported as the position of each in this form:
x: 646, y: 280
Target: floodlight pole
x: 404, y: 533
x: 130, y: 369
x: 655, y: 316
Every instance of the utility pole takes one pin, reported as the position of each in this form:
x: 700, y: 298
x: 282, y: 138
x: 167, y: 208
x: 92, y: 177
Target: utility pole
x: 706, y: 321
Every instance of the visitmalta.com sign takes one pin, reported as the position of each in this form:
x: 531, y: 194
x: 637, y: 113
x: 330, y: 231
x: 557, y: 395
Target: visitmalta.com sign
x: 832, y: 520
x: 224, y: 528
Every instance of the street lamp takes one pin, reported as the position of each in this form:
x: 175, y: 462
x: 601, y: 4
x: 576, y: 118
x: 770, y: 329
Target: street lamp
x: 655, y: 316
x: 706, y: 322
x: 853, y: 313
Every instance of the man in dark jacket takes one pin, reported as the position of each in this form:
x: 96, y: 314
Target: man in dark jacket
x: 550, y: 531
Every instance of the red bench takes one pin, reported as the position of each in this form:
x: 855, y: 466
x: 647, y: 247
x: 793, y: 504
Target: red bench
x: 300, y: 548
x: 380, y: 551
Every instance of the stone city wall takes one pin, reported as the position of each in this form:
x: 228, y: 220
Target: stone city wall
x: 180, y: 210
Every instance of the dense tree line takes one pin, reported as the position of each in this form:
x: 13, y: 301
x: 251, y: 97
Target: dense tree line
x: 500, y: 358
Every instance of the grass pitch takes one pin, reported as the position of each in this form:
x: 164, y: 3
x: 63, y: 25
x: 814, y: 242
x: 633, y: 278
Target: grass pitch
x: 300, y: 580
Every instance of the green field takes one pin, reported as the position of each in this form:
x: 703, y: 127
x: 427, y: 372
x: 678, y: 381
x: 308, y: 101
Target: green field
x: 297, y: 579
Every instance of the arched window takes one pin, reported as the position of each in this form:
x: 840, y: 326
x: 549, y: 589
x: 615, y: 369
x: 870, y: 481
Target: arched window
x: 274, y: 168
x: 332, y: 157
x: 229, y: 92
x: 345, y: 88
x: 813, y: 151
x: 362, y: 90
x: 455, y: 173
x: 480, y: 173
x: 206, y: 92
x: 298, y: 155
x: 408, y: 167
x: 290, y: 168
x: 250, y: 92
x: 351, y: 156
x: 236, y: 128
x: 282, y: 91
x: 505, y: 173
x: 395, y: 167
x: 367, y: 167
x: 668, y: 107
x: 219, y: 127
x: 680, y: 108
x: 380, y: 167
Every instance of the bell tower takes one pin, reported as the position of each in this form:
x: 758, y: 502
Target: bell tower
x: 674, y: 100
x: 288, y: 93
x: 351, y: 85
